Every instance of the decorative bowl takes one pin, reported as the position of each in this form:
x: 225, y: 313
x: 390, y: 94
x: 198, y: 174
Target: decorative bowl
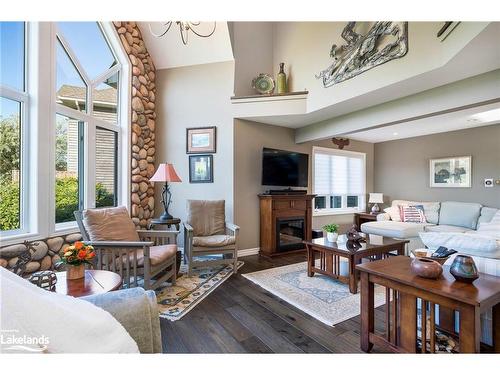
x: 263, y: 83
x: 426, y: 268
x: 464, y: 269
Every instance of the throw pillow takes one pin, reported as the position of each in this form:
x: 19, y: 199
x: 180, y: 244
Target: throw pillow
x: 393, y: 212
x: 412, y: 214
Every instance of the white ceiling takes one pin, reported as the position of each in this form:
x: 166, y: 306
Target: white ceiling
x: 168, y: 51
x: 458, y: 120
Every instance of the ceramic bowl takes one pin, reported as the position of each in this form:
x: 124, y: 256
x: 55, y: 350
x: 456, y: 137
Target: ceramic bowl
x: 426, y: 268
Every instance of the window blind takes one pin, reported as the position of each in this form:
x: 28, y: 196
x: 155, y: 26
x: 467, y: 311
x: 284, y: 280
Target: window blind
x: 339, y: 174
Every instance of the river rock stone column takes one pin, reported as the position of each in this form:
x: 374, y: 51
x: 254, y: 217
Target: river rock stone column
x: 143, y: 122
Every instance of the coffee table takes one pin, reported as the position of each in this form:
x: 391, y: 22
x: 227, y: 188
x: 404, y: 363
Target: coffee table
x: 470, y: 300
x: 329, y: 254
x: 94, y: 282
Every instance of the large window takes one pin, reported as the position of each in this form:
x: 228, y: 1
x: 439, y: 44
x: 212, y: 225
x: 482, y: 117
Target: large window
x: 87, y: 92
x: 63, y: 105
x: 339, y: 181
x: 13, y: 105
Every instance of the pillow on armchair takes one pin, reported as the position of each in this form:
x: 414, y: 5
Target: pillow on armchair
x: 109, y: 224
x: 207, y: 218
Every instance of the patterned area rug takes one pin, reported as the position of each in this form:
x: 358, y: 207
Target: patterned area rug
x: 323, y: 298
x: 176, y: 301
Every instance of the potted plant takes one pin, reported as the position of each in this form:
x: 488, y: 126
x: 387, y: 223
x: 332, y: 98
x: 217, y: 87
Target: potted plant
x: 75, y: 257
x: 331, y: 232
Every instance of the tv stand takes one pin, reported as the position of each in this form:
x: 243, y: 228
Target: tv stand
x: 288, y: 191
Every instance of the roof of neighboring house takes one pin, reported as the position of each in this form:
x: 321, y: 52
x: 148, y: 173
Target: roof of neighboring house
x: 107, y: 95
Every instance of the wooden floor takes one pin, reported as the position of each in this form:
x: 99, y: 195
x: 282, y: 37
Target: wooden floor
x: 241, y: 317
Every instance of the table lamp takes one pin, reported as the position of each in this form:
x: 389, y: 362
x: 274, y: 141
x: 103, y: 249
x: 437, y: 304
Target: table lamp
x: 376, y: 198
x: 165, y: 173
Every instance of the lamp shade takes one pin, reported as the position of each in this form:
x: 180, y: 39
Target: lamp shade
x: 376, y: 198
x: 165, y: 173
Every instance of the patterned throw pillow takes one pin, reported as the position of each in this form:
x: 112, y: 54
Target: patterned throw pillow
x: 412, y: 214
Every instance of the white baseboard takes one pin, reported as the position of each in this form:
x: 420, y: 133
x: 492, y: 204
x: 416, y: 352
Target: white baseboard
x: 247, y: 252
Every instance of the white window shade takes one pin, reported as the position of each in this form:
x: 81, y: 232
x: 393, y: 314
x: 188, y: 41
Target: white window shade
x: 339, y: 172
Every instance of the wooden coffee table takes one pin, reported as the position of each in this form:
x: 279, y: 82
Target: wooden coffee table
x: 94, y: 282
x: 470, y: 300
x: 329, y: 254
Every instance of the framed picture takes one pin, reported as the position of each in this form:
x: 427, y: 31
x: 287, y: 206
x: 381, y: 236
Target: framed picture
x: 201, y: 140
x: 451, y: 172
x: 201, y: 169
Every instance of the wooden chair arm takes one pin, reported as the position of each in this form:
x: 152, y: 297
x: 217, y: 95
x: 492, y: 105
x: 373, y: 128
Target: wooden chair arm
x: 119, y: 244
x: 233, y: 228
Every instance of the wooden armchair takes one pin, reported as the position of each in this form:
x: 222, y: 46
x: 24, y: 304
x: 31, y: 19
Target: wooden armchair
x: 207, y: 233
x: 123, y: 249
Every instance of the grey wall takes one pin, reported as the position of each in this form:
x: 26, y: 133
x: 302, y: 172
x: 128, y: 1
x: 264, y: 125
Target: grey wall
x: 249, y: 139
x: 402, y: 166
x: 190, y: 97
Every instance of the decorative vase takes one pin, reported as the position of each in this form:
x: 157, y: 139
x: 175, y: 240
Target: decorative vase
x: 75, y: 272
x: 464, y: 269
x: 426, y: 268
x: 331, y: 236
x: 281, y: 80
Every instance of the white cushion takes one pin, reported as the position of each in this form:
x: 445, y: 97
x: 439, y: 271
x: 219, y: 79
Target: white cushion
x: 70, y: 325
x: 218, y: 240
x: 431, y: 209
x: 393, y: 229
x: 465, y: 243
x: 445, y: 228
x: 393, y: 213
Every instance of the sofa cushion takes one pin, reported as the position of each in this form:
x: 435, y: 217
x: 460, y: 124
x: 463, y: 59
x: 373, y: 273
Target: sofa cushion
x: 219, y: 240
x: 466, y: 243
x: 393, y: 213
x: 445, y: 228
x: 157, y: 255
x: 431, y: 209
x: 487, y: 214
x: 459, y: 214
x: 109, y: 224
x: 206, y: 217
x: 393, y: 229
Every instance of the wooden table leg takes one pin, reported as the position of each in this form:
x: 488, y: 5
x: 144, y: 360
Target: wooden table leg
x: 496, y: 328
x: 470, y: 330
x: 353, y: 274
x: 401, y: 249
x: 367, y: 312
x: 408, y: 322
x: 310, y: 260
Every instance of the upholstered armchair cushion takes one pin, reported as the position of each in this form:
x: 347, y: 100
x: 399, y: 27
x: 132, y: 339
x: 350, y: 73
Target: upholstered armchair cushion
x: 218, y: 240
x: 157, y: 255
x: 206, y: 217
x: 109, y: 224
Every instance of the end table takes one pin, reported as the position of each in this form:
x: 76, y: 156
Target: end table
x: 168, y: 223
x: 364, y: 217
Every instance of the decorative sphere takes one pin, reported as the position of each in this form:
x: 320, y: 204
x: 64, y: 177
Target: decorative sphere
x: 44, y: 279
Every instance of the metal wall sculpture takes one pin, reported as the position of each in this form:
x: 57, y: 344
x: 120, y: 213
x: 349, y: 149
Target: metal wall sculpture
x: 362, y: 52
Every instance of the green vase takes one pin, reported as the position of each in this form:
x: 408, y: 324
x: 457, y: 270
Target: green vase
x: 281, y: 80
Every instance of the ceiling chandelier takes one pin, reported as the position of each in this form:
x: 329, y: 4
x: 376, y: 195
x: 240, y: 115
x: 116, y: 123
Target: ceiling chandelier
x: 184, y: 28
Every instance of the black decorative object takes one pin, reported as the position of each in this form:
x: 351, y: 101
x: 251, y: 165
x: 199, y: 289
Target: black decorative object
x: 353, y: 235
x: 24, y: 258
x: 464, y: 269
x: 340, y: 142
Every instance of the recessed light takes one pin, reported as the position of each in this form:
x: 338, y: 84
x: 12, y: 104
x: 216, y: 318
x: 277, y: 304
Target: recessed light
x: 488, y: 116
x: 395, y: 133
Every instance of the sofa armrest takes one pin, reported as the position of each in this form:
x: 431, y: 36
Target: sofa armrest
x: 136, y: 310
x: 383, y: 217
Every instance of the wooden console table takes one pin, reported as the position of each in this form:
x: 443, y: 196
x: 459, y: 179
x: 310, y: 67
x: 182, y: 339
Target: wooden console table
x: 470, y: 300
x: 363, y: 217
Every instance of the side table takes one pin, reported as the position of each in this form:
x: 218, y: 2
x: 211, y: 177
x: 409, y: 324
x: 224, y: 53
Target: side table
x: 168, y: 223
x: 94, y: 282
x: 363, y: 217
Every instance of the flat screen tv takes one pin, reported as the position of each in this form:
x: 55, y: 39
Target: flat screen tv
x: 284, y: 168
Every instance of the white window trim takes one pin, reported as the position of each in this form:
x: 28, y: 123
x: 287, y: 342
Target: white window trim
x: 41, y: 112
x: 338, y: 211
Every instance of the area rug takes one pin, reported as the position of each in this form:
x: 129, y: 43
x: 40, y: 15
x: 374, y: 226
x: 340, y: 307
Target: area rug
x: 175, y: 301
x: 323, y: 298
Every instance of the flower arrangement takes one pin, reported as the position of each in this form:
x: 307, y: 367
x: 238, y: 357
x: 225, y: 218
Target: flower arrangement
x: 77, y: 254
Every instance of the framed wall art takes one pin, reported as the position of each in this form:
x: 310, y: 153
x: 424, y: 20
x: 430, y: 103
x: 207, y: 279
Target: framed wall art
x: 201, y: 140
x: 451, y: 172
x: 201, y: 169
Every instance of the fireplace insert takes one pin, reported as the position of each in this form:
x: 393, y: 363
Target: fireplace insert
x: 290, y: 233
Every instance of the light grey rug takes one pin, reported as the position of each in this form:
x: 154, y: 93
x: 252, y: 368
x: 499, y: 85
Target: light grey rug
x: 323, y: 298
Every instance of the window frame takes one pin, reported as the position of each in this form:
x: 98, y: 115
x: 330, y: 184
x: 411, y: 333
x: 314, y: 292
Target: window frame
x: 344, y: 209
x: 23, y: 98
x: 38, y: 164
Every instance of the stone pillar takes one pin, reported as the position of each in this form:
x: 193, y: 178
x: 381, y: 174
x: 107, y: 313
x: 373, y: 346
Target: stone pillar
x: 143, y: 122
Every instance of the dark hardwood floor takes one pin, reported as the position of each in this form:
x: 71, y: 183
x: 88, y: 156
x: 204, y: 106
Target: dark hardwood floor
x: 241, y: 317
